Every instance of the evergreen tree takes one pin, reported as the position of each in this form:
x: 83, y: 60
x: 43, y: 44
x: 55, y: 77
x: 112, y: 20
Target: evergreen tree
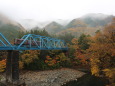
x: 83, y: 42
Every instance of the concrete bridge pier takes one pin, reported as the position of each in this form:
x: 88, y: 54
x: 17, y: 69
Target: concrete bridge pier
x: 12, y: 69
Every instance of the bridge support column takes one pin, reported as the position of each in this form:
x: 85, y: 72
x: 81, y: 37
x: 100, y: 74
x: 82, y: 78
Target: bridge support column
x: 12, y: 68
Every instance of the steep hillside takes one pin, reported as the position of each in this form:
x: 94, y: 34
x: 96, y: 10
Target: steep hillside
x: 80, y: 30
x: 75, y: 23
x: 53, y: 28
x: 9, y: 28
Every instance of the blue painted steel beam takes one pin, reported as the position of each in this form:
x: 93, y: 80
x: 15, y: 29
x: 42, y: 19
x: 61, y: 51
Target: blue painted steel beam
x: 39, y: 43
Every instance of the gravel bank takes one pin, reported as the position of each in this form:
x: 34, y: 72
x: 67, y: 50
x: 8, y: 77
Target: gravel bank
x: 50, y: 77
x: 56, y: 77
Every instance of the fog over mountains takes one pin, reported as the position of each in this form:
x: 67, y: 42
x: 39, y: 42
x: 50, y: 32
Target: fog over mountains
x: 87, y: 24
x: 99, y: 16
x: 30, y: 23
x: 88, y: 19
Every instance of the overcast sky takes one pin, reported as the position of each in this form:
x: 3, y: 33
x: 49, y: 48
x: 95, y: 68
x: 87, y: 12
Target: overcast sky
x: 43, y: 10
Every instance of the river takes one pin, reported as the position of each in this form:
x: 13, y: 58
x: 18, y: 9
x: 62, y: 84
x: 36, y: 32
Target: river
x: 88, y: 80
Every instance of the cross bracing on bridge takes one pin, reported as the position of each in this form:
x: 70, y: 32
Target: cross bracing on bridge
x: 33, y: 42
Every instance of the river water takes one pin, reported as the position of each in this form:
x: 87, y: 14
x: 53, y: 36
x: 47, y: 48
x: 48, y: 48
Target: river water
x: 88, y: 80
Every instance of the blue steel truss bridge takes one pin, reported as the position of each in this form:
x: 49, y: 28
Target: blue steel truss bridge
x: 33, y: 42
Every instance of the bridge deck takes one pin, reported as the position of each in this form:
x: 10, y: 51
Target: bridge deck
x: 25, y: 48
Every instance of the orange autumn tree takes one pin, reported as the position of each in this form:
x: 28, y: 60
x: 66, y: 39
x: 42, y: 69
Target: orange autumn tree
x: 51, y: 61
x: 2, y: 65
x: 3, y: 56
x: 57, y: 60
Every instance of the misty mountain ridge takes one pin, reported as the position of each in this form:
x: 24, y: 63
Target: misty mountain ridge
x: 91, y: 19
x: 30, y: 23
x: 4, y: 20
x: 86, y: 24
x: 97, y: 19
x: 76, y: 23
x: 9, y: 28
x: 53, y: 27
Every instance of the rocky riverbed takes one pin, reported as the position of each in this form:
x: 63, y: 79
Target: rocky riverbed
x: 56, y: 77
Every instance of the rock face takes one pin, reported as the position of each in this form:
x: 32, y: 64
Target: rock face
x: 51, y: 77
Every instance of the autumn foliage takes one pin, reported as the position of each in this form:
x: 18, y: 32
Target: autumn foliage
x: 51, y: 61
x: 98, y: 52
x: 2, y: 65
x: 58, y: 61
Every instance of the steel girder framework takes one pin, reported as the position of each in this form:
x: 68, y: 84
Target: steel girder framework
x: 40, y: 43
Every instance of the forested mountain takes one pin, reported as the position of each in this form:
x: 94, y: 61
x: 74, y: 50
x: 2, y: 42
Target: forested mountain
x: 53, y: 27
x: 9, y: 28
x: 90, y: 20
x: 75, y: 23
x: 87, y: 24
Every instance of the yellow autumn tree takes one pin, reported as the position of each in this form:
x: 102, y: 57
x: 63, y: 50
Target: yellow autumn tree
x: 28, y: 56
x: 102, y: 52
